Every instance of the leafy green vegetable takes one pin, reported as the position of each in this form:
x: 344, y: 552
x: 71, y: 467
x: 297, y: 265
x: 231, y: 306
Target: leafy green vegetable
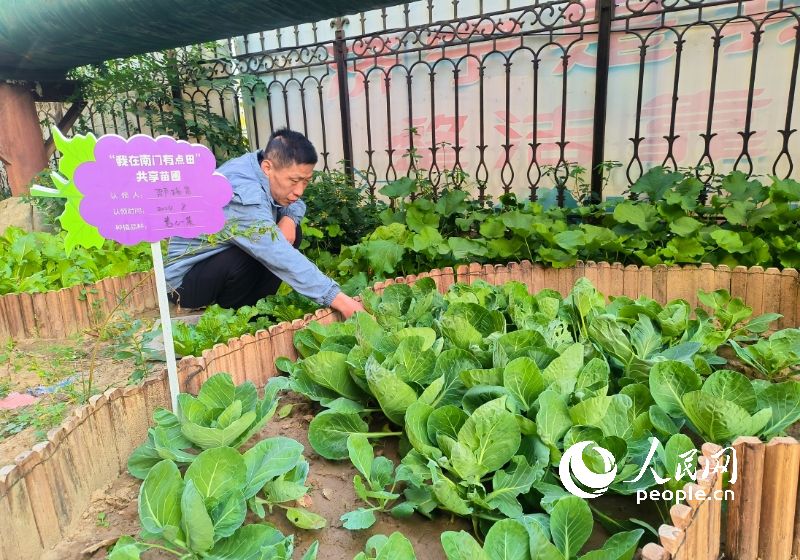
x: 221, y: 415
x: 201, y: 513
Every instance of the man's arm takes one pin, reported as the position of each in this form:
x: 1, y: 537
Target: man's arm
x: 289, y: 217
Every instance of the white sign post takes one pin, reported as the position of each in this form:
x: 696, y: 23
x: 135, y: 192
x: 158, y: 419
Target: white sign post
x: 166, y: 324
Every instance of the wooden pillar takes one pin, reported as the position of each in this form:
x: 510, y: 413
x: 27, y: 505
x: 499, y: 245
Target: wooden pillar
x: 21, y: 144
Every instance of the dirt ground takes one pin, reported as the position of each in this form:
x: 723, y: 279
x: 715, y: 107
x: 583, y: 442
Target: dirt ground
x: 32, y: 363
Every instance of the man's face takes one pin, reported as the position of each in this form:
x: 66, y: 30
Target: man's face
x: 287, y: 183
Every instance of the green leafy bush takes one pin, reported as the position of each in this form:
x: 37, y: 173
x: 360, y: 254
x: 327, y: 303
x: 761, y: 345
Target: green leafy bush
x: 221, y: 415
x: 337, y: 213
x: 36, y: 262
x: 200, y: 514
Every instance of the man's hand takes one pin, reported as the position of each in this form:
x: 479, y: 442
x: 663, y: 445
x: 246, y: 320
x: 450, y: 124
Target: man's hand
x: 288, y: 229
x: 346, y: 305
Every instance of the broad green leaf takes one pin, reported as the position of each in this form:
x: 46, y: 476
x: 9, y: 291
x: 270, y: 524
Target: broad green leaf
x: 126, y: 548
x: 516, y: 344
x: 358, y: 519
x: 524, y: 381
x: 662, y: 422
x: 460, y: 332
x: 217, y: 392
x: 269, y: 459
x: 447, y: 493
x: 676, y: 446
x: 728, y: 240
x: 417, y: 362
x: 491, y: 434
x: 641, y: 400
x: 484, y: 320
x: 190, y: 408
x: 515, y: 479
x: 482, y: 394
x: 621, y: 546
x: 247, y: 394
x: 446, y: 420
x: 144, y: 458
x: 246, y: 544
x: 571, y: 525
x: 304, y: 519
x: 216, y: 473
x: 732, y: 386
x: 669, y: 382
x: 399, y: 188
x: 160, y: 498
x: 464, y: 249
x: 229, y: 515
x: 230, y: 414
x: 720, y: 421
x: 564, y: 369
x: 416, y: 423
x: 329, y: 369
x: 360, y: 452
x: 450, y: 364
x: 477, y: 377
x: 508, y: 540
x: 462, y: 546
x: 196, y: 523
x: 685, y: 226
x: 540, y: 546
x: 784, y: 400
x: 553, y: 419
x: 208, y: 438
x: 398, y: 547
x: 328, y: 432
x: 391, y: 392
x: 593, y: 377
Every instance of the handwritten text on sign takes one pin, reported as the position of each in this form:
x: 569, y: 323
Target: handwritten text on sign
x: 148, y: 189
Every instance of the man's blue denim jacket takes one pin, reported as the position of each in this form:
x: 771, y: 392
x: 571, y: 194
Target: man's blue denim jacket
x: 252, y: 205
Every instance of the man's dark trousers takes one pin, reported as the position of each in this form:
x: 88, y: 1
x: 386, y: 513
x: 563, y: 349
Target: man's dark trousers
x: 231, y: 278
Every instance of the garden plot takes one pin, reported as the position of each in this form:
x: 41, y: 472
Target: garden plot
x: 484, y: 388
x: 42, y: 381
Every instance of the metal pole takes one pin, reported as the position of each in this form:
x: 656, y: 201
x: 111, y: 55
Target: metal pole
x: 601, y: 97
x: 340, y: 57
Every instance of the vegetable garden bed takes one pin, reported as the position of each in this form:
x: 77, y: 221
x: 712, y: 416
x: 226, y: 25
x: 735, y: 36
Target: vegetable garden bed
x: 49, y: 487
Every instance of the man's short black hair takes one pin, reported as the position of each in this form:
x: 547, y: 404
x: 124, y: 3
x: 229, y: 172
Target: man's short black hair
x: 286, y: 147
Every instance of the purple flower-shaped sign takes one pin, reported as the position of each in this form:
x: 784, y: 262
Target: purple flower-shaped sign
x: 148, y: 189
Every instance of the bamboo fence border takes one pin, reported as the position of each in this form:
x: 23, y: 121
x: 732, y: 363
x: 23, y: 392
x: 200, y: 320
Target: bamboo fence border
x: 48, y: 488
x: 61, y: 313
x: 763, y: 517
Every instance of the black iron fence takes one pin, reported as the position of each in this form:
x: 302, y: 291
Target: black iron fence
x: 506, y: 98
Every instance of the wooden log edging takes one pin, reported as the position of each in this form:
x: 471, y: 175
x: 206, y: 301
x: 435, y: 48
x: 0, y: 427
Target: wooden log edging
x: 252, y: 356
x: 68, y: 311
x: 763, y: 520
x: 49, y: 487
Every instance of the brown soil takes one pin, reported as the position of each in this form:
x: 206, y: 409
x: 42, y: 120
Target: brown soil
x: 34, y: 362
